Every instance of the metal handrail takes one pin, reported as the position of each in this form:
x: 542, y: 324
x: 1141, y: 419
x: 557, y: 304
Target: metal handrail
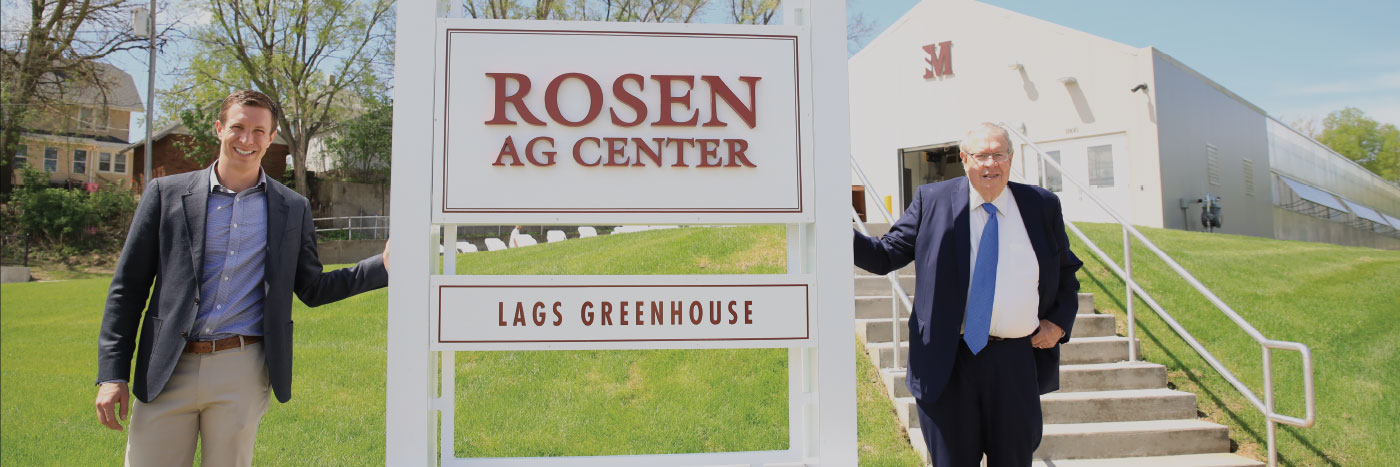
x: 897, y: 294
x: 1265, y: 407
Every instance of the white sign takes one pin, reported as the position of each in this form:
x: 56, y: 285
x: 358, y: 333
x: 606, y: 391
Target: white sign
x: 601, y: 124
x: 619, y: 312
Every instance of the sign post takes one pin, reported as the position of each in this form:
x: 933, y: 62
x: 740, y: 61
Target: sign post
x: 583, y: 123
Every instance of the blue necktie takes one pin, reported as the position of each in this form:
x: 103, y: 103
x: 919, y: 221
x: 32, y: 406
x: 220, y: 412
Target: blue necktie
x: 984, y: 286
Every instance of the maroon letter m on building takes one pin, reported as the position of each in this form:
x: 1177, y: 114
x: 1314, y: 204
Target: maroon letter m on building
x: 940, y: 59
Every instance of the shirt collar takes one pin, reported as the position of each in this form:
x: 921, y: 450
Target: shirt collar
x: 215, y: 186
x: 975, y: 201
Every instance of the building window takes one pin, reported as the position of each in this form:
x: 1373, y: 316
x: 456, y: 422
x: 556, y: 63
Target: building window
x: 50, y: 159
x: 80, y: 161
x: 1248, y: 177
x: 120, y: 166
x: 1212, y: 165
x: 21, y: 154
x: 104, y: 162
x: 87, y: 118
x: 1101, y: 166
x: 1053, y: 181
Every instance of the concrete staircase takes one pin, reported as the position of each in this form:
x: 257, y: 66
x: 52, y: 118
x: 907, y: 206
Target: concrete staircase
x: 1107, y: 412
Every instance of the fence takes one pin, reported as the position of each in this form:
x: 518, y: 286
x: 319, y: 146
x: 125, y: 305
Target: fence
x: 352, y: 228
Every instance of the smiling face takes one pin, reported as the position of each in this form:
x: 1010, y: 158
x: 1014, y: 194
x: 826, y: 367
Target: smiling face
x: 979, y: 153
x: 244, y: 136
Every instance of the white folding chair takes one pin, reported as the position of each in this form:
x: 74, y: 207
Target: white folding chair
x: 555, y: 236
x: 495, y: 244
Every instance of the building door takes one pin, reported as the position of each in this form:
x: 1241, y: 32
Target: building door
x: 927, y: 164
x: 1099, y: 162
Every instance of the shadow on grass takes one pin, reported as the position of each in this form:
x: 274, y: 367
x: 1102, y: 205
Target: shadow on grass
x: 1195, y: 378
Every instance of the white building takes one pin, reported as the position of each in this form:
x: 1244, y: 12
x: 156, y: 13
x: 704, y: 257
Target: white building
x: 1146, y: 132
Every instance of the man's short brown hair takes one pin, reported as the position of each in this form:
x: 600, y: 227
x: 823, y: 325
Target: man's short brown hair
x: 250, y: 98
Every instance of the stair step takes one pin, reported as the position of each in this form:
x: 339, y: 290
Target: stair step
x: 907, y: 270
x: 894, y: 383
x: 879, y: 330
x: 1132, y: 439
x: 1077, y: 351
x: 1219, y: 459
x: 880, y: 285
x: 1107, y: 349
x: 876, y: 307
x: 1111, y: 376
x: 1117, y: 406
x: 1092, y: 325
x: 1086, y: 303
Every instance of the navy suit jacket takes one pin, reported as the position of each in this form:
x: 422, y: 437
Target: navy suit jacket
x: 934, y: 232
x: 166, y: 246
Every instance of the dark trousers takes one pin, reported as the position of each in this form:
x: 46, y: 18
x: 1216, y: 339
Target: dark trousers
x: 991, y: 405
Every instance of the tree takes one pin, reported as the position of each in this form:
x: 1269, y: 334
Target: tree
x: 1374, y: 145
x: 361, y: 146
x: 642, y: 11
x: 52, y: 53
x: 307, y: 55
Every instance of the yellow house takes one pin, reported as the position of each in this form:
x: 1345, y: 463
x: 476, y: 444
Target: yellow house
x: 79, y: 140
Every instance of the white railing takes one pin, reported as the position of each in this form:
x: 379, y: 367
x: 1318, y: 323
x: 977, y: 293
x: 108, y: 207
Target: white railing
x: 897, y: 294
x: 1125, y: 272
x: 364, y: 227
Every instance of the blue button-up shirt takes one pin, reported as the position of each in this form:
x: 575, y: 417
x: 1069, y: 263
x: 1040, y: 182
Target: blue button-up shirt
x: 235, y: 249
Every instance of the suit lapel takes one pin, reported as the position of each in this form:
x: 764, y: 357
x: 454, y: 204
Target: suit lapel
x: 196, y: 206
x: 276, y: 223
x: 962, y: 238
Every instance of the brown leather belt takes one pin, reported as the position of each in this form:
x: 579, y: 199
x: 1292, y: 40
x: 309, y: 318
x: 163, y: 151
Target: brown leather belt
x: 221, y: 344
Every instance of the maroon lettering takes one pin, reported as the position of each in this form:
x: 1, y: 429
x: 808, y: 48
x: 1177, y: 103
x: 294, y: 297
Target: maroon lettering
x: 668, y: 100
x: 538, y: 313
x: 500, y: 313
x: 697, y: 312
x: 558, y: 317
x: 643, y: 149
x: 517, y: 100
x: 733, y: 315
x: 748, y: 311
x: 616, y: 148
x: 719, y: 89
x: 605, y: 313
x: 595, y: 99
x: 585, y: 315
x: 736, y: 151
x: 708, y: 149
x: 680, y: 149
x: 519, y: 315
x: 548, y: 155
x: 508, y: 149
x: 638, y: 107
x: 578, y: 153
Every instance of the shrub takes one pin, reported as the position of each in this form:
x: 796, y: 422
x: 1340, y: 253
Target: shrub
x: 66, y: 219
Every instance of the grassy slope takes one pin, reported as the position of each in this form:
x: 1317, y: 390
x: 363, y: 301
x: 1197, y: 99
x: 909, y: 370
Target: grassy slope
x: 628, y: 401
x: 1340, y: 301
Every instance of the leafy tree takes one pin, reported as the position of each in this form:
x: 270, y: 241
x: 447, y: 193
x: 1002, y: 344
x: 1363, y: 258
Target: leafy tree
x: 1374, y: 145
x: 362, y: 145
x: 51, y: 53
x: 307, y: 55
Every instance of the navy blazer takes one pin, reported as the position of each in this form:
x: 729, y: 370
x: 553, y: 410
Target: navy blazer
x: 166, y: 246
x: 934, y: 232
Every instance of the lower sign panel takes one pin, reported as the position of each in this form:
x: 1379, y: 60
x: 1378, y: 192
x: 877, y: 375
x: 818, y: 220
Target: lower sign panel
x: 620, y: 312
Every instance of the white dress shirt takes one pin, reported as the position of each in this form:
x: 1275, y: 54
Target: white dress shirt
x: 1018, y: 273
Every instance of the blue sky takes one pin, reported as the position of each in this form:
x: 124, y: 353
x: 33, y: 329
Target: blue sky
x: 1295, y: 59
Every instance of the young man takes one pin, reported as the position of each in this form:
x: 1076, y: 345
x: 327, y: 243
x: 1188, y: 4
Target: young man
x: 226, y: 248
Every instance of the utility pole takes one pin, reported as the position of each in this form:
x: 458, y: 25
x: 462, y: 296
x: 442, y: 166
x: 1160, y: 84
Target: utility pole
x: 144, y: 22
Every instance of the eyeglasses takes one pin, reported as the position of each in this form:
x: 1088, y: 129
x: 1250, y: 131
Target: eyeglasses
x: 991, y: 156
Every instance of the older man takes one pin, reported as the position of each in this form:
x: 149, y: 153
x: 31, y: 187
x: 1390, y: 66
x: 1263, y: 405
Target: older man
x: 995, y: 296
x: 226, y: 248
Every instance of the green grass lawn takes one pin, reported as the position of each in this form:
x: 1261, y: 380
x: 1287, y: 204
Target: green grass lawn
x: 1342, y: 302
x: 508, y: 403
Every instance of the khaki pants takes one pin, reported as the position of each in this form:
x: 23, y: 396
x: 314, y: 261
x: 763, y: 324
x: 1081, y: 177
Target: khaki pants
x: 217, y: 398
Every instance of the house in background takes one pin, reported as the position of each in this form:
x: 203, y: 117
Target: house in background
x: 169, y: 158
x: 79, y: 139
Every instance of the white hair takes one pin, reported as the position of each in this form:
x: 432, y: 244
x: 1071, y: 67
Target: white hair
x: 986, y: 130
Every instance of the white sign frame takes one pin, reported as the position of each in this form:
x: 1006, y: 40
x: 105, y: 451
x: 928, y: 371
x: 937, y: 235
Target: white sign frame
x: 821, y: 385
